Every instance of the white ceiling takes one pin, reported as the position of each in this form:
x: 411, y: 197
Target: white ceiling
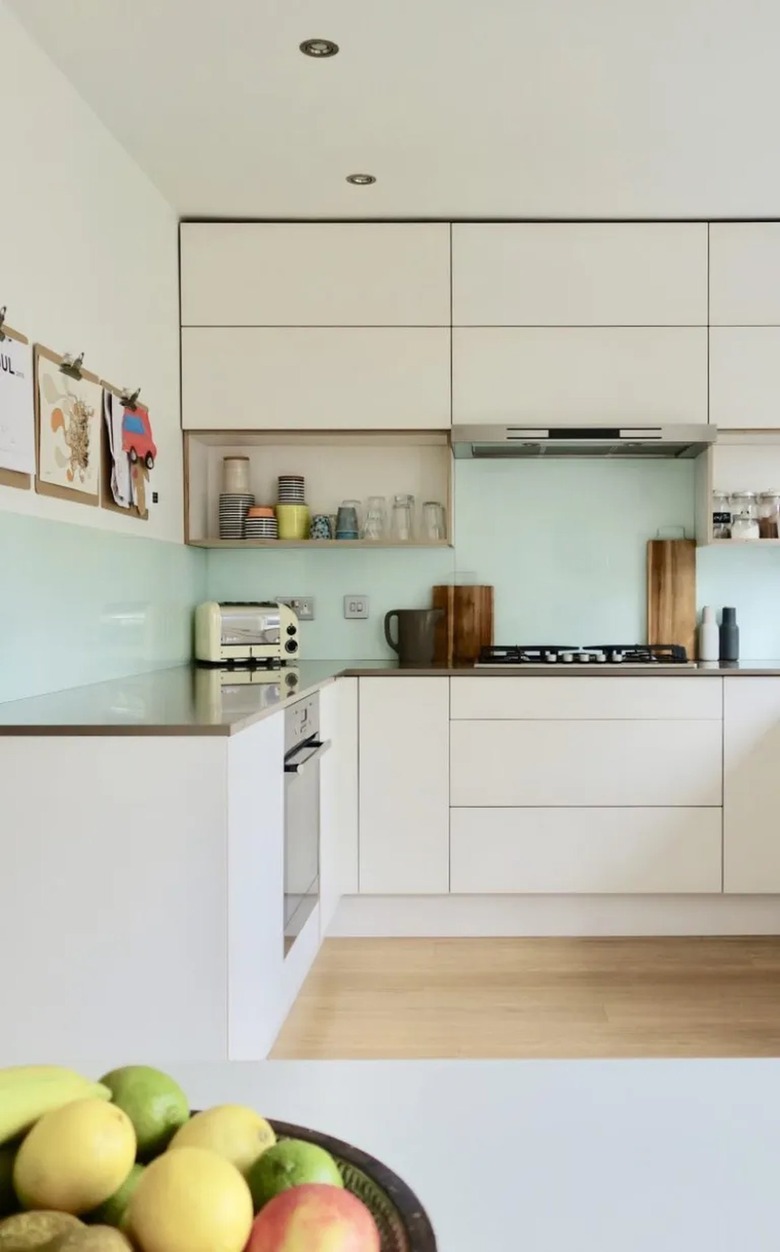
x: 461, y: 108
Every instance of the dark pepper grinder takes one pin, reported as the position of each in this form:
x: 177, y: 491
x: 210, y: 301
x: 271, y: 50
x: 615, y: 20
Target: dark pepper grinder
x: 729, y: 636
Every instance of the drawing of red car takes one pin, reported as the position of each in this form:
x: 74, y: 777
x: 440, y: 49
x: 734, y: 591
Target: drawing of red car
x: 137, y: 439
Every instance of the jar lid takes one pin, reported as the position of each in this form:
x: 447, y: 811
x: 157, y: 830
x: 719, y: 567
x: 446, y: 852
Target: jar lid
x: 744, y: 495
x: 771, y: 493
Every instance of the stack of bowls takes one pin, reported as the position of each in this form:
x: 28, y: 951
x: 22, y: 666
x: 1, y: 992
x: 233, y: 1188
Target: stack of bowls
x: 233, y: 507
x: 292, y: 489
x: 261, y: 523
x: 292, y: 512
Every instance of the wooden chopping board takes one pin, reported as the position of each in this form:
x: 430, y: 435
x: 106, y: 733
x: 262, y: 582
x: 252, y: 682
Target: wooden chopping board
x: 671, y: 593
x: 467, y: 624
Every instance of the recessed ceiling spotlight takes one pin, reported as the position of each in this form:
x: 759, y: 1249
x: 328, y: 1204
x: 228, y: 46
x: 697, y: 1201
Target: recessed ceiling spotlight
x: 361, y: 180
x: 319, y: 48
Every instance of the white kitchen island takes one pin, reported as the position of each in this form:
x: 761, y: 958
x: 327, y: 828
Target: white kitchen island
x: 546, y: 1156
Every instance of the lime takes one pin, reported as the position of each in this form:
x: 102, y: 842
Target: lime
x: 290, y: 1163
x: 154, y: 1102
x: 8, y: 1200
x: 111, y: 1212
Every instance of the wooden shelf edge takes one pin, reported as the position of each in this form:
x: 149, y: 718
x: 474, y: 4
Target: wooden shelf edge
x: 323, y: 544
x: 741, y: 543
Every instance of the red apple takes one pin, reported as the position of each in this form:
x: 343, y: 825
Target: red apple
x: 314, y: 1217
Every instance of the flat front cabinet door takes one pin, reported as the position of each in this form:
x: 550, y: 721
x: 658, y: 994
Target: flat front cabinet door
x: 315, y: 274
x: 331, y: 378
x: 751, y: 787
x: 579, y: 274
x: 621, y: 375
x: 745, y: 377
x: 745, y: 274
x: 404, y: 786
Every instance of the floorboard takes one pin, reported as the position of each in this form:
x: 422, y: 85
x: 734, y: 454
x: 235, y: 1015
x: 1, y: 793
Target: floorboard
x: 651, y: 997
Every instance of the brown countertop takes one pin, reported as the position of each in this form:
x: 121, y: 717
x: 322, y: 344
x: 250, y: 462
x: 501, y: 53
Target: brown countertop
x: 192, y: 701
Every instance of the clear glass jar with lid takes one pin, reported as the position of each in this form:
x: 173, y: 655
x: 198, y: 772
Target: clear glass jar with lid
x: 721, y: 515
x: 769, y: 514
x: 744, y: 515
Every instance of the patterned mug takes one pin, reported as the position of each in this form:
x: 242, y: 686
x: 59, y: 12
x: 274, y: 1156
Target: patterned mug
x: 320, y: 527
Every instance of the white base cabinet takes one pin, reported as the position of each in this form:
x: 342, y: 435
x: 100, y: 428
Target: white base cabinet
x: 588, y: 851
x: 404, y: 786
x: 338, y: 796
x: 141, y: 912
x: 751, y: 789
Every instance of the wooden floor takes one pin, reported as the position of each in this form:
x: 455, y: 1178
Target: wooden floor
x: 538, y: 998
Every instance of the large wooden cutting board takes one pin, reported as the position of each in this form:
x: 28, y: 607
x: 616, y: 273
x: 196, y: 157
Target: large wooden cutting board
x: 467, y: 624
x: 671, y: 592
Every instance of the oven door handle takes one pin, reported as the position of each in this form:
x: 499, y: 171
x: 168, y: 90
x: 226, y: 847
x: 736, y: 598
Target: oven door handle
x: 312, y: 751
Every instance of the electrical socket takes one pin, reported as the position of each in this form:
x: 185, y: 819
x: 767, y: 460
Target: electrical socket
x: 355, y: 607
x: 302, y: 606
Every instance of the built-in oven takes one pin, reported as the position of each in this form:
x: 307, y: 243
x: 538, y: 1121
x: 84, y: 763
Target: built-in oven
x: 303, y: 751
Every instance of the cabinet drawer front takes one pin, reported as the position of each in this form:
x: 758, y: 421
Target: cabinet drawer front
x: 621, y: 376
x: 754, y: 700
x: 589, y: 851
x: 315, y: 274
x: 605, y: 763
x: 315, y: 379
x: 583, y: 274
x: 603, y: 697
x: 745, y: 377
x: 745, y: 273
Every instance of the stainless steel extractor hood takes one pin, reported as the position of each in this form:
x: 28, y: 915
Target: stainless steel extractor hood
x: 660, y: 442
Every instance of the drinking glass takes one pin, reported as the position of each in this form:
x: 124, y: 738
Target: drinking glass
x: 376, y: 518
x: 433, y: 521
x: 402, y: 521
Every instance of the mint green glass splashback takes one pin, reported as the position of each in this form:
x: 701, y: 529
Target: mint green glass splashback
x: 563, y: 543
x: 80, y: 605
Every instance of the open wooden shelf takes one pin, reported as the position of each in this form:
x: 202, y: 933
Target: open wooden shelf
x: 329, y: 544
x: 337, y: 465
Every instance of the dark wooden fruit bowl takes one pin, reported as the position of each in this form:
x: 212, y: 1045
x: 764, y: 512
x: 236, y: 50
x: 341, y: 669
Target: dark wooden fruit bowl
x: 401, y: 1219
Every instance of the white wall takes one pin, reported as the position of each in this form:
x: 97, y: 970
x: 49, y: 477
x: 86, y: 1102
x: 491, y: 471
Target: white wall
x: 88, y: 261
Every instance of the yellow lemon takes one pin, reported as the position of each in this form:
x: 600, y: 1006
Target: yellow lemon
x: 237, y: 1133
x: 190, y: 1200
x: 75, y: 1157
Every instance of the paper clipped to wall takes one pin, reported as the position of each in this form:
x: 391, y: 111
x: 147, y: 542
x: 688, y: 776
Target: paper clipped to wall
x: 17, y: 410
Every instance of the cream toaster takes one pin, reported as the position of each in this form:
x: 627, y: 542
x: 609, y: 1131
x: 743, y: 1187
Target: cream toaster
x: 243, y: 631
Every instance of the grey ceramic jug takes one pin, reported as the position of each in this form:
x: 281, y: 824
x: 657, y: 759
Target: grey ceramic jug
x: 416, y: 634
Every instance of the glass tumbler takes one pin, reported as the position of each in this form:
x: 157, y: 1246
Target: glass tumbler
x: 402, y: 520
x: 434, y: 528
x: 376, y: 518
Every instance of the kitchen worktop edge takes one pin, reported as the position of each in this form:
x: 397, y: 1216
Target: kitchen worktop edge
x: 171, y: 702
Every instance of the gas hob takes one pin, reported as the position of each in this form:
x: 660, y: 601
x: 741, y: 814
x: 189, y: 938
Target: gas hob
x: 594, y: 656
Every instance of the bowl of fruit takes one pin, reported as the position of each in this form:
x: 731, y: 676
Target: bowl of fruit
x: 124, y: 1165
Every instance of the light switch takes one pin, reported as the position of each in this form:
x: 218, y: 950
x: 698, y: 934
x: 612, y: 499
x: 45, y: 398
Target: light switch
x: 355, y: 606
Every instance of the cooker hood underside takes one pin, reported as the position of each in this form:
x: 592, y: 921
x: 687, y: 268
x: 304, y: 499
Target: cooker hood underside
x: 513, y: 442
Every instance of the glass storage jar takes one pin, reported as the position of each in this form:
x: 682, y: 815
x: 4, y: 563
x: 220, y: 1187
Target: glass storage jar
x: 721, y: 515
x: 744, y: 515
x: 769, y: 514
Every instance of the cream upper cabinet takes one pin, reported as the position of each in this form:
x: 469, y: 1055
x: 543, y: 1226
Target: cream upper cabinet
x: 316, y: 378
x: 745, y: 377
x: 579, y: 375
x: 745, y: 274
x: 315, y: 274
x: 579, y: 274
